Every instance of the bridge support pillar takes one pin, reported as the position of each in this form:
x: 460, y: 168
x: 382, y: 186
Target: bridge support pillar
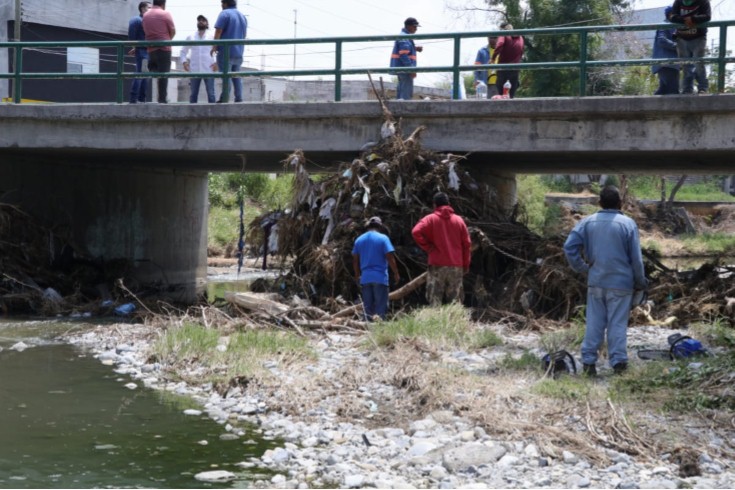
x: 502, y: 186
x: 156, y: 220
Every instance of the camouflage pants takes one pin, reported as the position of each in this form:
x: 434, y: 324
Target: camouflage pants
x: 444, y: 282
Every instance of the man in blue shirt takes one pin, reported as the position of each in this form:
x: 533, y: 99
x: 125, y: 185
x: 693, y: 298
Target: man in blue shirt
x: 372, y: 254
x: 614, y: 267
x: 136, y: 33
x: 231, y: 24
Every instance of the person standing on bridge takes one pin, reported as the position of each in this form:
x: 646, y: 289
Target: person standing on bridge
x: 444, y: 237
x: 159, y: 26
x: 508, y: 49
x: 200, y: 61
x: 404, y: 55
x: 691, y: 41
x: 664, y: 46
x: 231, y: 24
x: 613, y: 264
x: 136, y: 33
x: 372, y: 253
x: 488, y: 77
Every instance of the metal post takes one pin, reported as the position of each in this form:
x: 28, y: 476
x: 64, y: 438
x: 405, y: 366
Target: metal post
x: 583, y: 63
x: 455, y: 70
x: 338, y: 71
x: 17, y: 81
x: 120, y: 69
x: 721, y: 65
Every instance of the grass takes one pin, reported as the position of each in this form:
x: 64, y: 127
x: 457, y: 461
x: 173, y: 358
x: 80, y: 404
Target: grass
x: 716, y: 334
x: 445, y: 326
x: 223, y: 226
x: 569, y: 388
x: 569, y: 339
x: 709, y: 243
x: 224, y: 358
x: 527, y: 361
x: 649, y: 187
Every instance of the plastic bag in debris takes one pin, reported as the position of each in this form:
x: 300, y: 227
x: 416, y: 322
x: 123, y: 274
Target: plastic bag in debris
x: 50, y: 294
x: 453, y: 177
x: 388, y: 129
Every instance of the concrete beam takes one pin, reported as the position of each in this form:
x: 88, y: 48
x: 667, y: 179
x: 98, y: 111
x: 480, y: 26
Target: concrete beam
x: 584, y: 135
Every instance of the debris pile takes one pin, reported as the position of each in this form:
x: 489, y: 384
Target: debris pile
x: 41, y: 273
x: 515, y: 273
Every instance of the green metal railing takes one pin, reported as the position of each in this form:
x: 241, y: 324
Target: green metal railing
x: 456, y: 68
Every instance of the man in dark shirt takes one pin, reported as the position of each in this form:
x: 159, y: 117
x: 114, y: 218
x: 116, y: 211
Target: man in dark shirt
x: 136, y: 33
x: 508, y: 49
x: 691, y: 40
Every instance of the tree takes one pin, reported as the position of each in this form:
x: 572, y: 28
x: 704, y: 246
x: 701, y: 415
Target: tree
x: 564, y: 47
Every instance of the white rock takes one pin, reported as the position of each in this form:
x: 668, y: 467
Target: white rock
x: 192, y: 412
x: 20, y: 346
x: 131, y: 386
x: 354, y: 481
x: 420, y: 448
x: 570, y: 458
x: 215, y: 476
x: 508, y: 460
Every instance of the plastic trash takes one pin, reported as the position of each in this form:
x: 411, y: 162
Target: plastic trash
x: 125, y: 310
x: 50, y: 294
x: 506, y: 89
x: 107, y: 302
x: 481, y: 90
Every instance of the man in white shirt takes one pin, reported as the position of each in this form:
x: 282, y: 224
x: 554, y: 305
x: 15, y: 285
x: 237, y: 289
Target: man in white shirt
x: 201, y: 60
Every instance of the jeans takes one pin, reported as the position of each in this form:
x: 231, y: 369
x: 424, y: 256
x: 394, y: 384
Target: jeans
x: 607, y: 309
x: 375, y: 300
x: 404, y: 91
x: 159, y: 61
x: 693, y: 48
x: 139, y: 85
x: 195, y: 83
x: 668, y: 81
x: 235, y: 64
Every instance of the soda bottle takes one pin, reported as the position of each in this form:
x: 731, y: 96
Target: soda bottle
x: 506, y: 88
x: 481, y: 90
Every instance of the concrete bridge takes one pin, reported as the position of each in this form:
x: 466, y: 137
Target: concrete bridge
x: 130, y: 181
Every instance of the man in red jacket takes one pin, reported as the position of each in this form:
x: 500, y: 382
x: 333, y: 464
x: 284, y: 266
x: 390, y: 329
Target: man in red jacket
x: 443, y: 236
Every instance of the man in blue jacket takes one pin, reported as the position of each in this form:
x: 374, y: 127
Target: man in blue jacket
x: 231, y: 24
x: 664, y: 47
x: 614, y: 267
x: 488, y: 77
x: 404, y: 55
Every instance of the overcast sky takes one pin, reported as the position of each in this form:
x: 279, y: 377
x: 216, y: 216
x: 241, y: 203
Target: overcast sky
x: 274, y: 19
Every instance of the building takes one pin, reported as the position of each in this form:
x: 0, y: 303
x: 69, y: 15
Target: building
x: 66, y: 20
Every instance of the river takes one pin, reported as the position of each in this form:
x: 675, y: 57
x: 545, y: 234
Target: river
x: 68, y: 421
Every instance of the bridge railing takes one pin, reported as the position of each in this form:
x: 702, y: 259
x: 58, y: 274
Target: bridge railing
x: 583, y: 64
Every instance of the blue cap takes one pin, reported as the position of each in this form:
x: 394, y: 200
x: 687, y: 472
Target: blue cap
x: 667, y: 11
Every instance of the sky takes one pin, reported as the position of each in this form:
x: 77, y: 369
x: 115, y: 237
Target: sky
x: 286, y: 19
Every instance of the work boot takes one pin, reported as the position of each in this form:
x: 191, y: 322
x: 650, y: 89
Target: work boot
x: 620, y: 368
x: 589, y: 370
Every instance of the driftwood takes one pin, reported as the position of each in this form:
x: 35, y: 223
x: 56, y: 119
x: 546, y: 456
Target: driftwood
x: 394, y: 296
x: 256, y: 302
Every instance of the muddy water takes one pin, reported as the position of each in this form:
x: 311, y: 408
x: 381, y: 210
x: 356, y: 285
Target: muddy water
x: 67, y: 421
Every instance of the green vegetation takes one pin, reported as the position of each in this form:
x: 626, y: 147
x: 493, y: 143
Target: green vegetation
x: 527, y: 361
x: 568, y: 339
x: 260, y: 191
x: 716, y: 334
x: 446, y: 326
x: 565, y: 388
x: 224, y: 358
x: 649, y: 187
x: 709, y: 243
x: 702, y: 383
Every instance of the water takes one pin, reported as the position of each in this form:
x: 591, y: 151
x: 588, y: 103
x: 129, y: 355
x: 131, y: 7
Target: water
x: 67, y: 421
x: 218, y: 284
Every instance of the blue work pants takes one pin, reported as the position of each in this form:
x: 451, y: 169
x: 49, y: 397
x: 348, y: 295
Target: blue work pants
x: 375, y: 300
x: 668, y: 81
x: 405, y: 86
x: 693, y: 48
x: 607, y: 310
x: 139, y: 85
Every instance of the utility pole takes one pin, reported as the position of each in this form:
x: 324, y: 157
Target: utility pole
x: 16, y: 34
x: 295, y: 14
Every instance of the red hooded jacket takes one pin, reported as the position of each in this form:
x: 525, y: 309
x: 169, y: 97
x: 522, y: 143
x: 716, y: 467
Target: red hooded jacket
x: 443, y: 235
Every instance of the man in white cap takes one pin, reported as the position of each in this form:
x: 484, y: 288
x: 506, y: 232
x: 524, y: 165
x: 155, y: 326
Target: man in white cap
x: 372, y: 253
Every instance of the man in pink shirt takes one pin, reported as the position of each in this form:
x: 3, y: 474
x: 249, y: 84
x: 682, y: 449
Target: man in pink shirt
x: 444, y: 237
x: 508, y: 49
x: 159, y: 26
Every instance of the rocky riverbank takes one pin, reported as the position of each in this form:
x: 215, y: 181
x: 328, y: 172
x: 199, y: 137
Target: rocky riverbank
x: 358, y: 418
